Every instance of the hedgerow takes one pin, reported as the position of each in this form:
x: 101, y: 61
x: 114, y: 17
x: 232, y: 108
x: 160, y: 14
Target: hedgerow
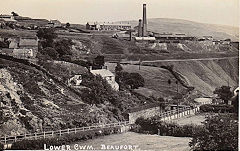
x: 222, y: 108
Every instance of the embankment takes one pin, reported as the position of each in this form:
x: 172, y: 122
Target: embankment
x: 206, y: 75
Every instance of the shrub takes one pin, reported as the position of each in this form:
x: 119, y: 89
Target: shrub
x: 47, y: 35
x: 134, y: 80
x: 1, y: 146
x: 49, y: 51
x: 220, y: 133
x: 222, y: 108
x: 154, y: 125
x: 224, y: 93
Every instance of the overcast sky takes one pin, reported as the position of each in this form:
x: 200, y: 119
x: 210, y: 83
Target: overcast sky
x: 225, y: 12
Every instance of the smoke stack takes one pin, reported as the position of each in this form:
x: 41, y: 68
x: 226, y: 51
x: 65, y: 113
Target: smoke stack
x: 140, y: 28
x: 144, y: 30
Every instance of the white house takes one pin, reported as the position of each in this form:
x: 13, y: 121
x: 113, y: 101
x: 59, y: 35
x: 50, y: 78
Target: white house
x: 108, y: 76
x: 75, y: 80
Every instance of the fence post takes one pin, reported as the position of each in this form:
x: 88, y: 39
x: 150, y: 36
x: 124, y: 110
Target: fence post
x: 75, y: 130
x: 68, y: 130
x: 44, y: 135
x: 60, y: 132
x: 5, y: 139
x: 35, y: 134
x: 52, y: 133
x: 25, y: 135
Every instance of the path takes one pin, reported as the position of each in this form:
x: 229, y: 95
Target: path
x: 176, y: 60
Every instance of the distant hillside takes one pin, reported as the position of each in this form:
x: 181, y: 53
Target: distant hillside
x: 161, y: 25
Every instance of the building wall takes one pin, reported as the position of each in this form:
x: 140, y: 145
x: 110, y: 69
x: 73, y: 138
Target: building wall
x: 147, y: 113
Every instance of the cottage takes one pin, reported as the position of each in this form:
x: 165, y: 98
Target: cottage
x: 75, y: 80
x: 54, y: 23
x: 7, y: 18
x: 23, y: 46
x: 108, y: 76
x: 23, y: 52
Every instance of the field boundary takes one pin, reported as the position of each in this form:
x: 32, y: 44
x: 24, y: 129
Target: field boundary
x: 10, y: 139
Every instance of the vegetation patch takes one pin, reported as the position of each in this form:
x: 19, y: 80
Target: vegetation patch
x: 220, y: 108
x: 219, y: 132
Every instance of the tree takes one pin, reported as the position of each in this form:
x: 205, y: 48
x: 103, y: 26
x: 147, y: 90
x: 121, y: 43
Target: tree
x: 67, y: 25
x: 51, y: 52
x: 134, y: 80
x: 224, y: 93
x: 235, y: 103
x: 63, y: 47
x: 220, y: 133
x: 47, y: 35
x: 14, y: 14
x: 118, y: 68
x: 169, y: 82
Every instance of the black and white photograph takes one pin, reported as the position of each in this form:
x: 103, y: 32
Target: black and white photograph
x: 119, y: 75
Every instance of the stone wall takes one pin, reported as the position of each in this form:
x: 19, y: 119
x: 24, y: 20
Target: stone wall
x: 146, y: 113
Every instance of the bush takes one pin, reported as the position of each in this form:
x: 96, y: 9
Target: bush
x: 134, y: 80
x: 154, y: 125
x: 222, y: 108
x: 49, y: 51
x: 1, y: 146
x: 220, y: 133
x: 224, y: 93
x: 63, y: 47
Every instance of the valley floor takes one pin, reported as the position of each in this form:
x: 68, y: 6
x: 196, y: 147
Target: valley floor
x: 143, y: 141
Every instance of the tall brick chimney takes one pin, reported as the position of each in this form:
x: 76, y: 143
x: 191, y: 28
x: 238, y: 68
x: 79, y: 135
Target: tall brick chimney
x: 140, y: 28
x: 144, y: 30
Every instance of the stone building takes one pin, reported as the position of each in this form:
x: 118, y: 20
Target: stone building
x: 108, y: 76
x: 23, y: 47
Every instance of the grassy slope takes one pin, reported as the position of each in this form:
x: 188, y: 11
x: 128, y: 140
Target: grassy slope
x: 190, y: 28
x: 156, y: 80
x: 205, y: 76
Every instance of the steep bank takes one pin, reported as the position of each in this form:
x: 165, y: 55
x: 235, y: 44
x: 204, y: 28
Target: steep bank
x: 206, y: 75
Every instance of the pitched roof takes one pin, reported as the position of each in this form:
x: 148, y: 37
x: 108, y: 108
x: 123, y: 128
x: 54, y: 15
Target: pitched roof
x: 28, y: 42
x: 102, y: 72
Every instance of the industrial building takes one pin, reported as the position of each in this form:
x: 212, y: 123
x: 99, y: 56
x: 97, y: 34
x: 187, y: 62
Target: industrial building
x: 107, y: 26
x: 172, y: 38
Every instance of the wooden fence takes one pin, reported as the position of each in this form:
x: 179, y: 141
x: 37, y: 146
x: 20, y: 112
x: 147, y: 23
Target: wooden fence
x: 172, y: 114
x: 178, y: 113
x: 11, y: 139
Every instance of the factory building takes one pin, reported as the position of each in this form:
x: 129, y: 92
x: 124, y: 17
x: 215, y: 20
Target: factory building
x: 107, y: 26
x: 172, y: 38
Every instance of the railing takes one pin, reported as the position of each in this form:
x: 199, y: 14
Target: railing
x: 11, y: 139
x: 179, y: 112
